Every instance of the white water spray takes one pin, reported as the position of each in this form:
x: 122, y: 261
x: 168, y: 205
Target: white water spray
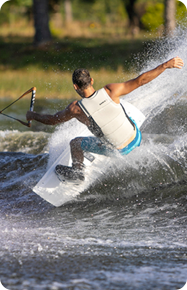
x: 166, y: 89
x: 152, y: 98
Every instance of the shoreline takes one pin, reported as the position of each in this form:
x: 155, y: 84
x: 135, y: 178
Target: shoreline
x: 52, y: 85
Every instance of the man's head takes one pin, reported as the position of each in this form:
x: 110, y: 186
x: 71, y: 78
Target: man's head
x: 81, y: 78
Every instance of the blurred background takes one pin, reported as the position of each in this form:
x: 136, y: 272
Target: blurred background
x: 43, y: 41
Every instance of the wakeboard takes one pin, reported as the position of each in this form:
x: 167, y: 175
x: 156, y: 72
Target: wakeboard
x: 56, y: 192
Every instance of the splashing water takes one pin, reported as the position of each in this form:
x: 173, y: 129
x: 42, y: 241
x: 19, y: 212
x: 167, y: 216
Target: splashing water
x: 161, y: 97
x: 166, y: 89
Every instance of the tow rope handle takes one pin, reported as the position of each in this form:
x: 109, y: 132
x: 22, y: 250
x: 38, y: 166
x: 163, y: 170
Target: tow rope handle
x: 28, y: 124
x: 32, y: 103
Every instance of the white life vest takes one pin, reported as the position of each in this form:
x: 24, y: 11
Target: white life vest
x: 110, y: 117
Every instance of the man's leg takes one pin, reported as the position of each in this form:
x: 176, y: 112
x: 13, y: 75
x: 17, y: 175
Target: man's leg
x: 77, y: 153
x: 78, y: 146
x: 76, y: 171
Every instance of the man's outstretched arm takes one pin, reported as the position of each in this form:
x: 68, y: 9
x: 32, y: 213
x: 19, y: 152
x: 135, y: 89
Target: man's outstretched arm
x: 145, y: 78
x: 118, y: 89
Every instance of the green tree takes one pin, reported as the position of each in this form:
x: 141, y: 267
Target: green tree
x: 153, y: 16
x: 156, y: 13
x: 11, y: 10
x: 97, y: 10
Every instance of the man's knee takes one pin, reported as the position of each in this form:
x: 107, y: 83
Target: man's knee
x: 76, y: 143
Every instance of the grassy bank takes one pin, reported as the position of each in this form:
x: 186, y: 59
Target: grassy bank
x: 109, y: 59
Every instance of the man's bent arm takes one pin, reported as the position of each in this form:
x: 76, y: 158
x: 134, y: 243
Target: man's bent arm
x: 45, y: 119
x: 60, y: 117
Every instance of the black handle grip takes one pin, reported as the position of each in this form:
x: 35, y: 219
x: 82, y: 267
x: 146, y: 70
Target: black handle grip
x: 32, y: 103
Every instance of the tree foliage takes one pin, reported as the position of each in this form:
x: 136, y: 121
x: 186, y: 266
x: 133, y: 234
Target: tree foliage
x: 25, y: 3
x: 148, y: 14
x: 153, y: 17
x: 96, y: 10
x: 16, y: 7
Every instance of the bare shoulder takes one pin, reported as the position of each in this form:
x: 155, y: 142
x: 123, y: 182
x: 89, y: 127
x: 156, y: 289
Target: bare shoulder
x: 74, y: 108
x: 117, y: 90
x: 113, y: 90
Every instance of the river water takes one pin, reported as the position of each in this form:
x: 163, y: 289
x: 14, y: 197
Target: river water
x: 128, y: 229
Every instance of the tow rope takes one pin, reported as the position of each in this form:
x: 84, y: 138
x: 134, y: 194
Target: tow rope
x: 28, y: 124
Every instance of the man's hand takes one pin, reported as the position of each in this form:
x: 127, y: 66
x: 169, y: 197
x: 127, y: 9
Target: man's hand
x: 175, y: 62
x: 29, y: 116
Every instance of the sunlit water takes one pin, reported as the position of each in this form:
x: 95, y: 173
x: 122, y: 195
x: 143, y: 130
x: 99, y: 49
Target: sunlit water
x: 128, y: 229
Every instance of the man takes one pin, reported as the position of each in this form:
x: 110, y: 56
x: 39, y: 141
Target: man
x: 102, y: 113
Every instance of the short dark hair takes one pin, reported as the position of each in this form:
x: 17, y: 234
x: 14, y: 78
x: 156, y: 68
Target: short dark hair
x: 81, y: 77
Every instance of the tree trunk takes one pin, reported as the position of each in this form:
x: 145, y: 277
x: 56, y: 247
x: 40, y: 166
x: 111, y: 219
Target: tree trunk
x: 68, y: 11
x: 170, y: 10
x: 41, y: 22
x: 131, y: 12
x: 134, y: 22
